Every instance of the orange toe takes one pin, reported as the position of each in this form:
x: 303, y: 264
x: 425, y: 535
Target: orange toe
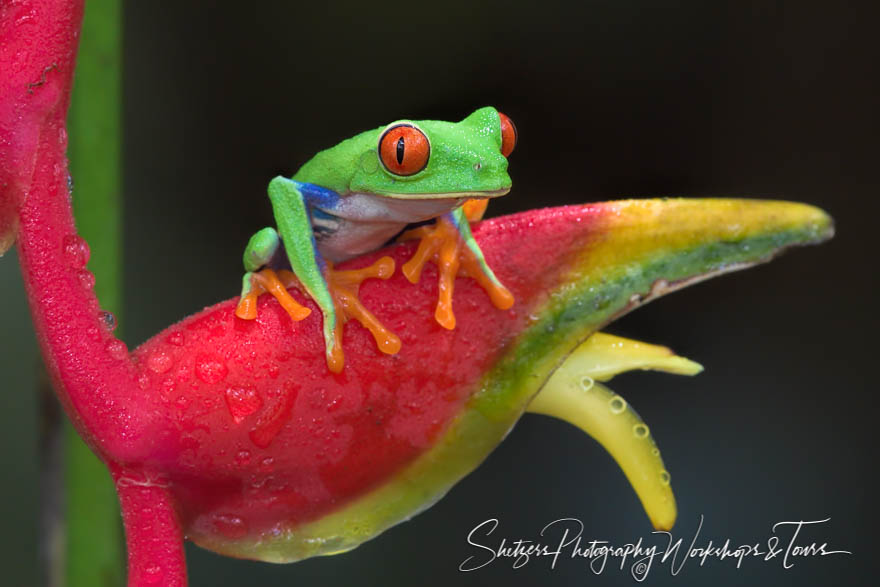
x: 443, y: 244
x: 267, y: 281
x: 344, y: 286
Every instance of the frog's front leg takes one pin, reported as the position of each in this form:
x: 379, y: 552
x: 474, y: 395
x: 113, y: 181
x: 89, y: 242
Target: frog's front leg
x: 455, y: 251
x: 259, y: 279
x: 335, y: 292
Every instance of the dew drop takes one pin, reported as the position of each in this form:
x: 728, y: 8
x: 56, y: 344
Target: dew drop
x: 168, y: 386
x: 259, y: 482
x: 617, y: 404
x: 159, y: 362
x: 108, y: 319
x: 243, y: 457
x: 116, y: 349
x: 153, y: 575
x: 242, y: 402
x: 587, y: 383
x: 76, y: 250
x: 94, y: 333
x: 272, y: 370
x: 211, y: 369
x: 86, y: 278
x: 664, y: 477
x: 175, y: 339
x: 144, y: 381
x: 640, y: 430
x: 229, y: 525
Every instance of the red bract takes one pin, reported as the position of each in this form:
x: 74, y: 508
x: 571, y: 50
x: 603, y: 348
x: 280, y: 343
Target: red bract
x: 236, y: 434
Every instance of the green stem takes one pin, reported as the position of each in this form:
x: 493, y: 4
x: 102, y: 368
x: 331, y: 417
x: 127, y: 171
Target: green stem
x: 94, y: 551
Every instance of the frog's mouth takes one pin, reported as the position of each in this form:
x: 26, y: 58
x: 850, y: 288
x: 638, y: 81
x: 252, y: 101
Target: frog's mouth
x: 483, y: 195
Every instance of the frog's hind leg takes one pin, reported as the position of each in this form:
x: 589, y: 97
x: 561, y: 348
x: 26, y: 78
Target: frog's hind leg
x: 455, y: 251
x: 475, y: 208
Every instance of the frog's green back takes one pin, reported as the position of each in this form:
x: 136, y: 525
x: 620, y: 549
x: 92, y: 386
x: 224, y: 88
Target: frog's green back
x: 465, y: 158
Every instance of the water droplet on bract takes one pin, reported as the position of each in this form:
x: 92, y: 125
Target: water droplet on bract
x: 211, y: 369
x: 640, y: 430
x: 617, y: 404
x: 664, y: 477
x: 587, y: 383
x: 117, y: 349
x: 153, y: 575
x: 229, y: 525
x: 159, y: 362
x: 76, y: 250
x: 242, y: 402
x: 86, y: 278
x: 168, y: 386
x: 108, y: 319
x: 175, y: 339
x: 243, y: 457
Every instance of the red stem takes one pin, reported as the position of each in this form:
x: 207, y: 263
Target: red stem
x: 91, y: 369
x: 154, y: 537
x: 39, y: 38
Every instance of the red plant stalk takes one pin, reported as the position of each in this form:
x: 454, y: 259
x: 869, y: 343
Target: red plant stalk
x: 235, y: 433
x: 38, y: 42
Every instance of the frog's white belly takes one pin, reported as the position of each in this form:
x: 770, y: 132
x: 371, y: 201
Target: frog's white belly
x: 360, y: 223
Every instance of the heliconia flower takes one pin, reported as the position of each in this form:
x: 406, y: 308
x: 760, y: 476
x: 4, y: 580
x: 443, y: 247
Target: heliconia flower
x: 235, y: 434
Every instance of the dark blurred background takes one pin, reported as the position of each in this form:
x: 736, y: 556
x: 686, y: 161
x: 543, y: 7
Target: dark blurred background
x: 612, y: 98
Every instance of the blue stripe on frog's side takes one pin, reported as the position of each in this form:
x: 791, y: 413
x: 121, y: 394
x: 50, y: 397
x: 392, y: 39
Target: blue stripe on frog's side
x: 317, y: 196
x: 317, y: 200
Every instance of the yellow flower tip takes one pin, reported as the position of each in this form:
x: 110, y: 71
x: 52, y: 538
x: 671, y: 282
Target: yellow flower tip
x: 574, y: 395
x: 602, y: 356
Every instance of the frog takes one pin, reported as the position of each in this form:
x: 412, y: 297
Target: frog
x: 426, y: 180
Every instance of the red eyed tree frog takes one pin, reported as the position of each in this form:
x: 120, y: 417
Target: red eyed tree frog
x: 359, y: 195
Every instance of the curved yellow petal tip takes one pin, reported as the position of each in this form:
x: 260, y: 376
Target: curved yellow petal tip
x: 573, y: 394
x: 602, y: 356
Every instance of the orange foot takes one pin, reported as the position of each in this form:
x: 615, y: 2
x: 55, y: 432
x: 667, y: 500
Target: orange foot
x: 343, y: 286
x: 443, y: 243
x: 267, y: 281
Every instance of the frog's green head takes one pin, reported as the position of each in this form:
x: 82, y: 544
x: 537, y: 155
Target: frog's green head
x: 422, y: 159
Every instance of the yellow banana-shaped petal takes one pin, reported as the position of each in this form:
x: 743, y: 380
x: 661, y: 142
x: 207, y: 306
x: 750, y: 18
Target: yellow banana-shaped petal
x: 573, y: 394
x: 605, y: 355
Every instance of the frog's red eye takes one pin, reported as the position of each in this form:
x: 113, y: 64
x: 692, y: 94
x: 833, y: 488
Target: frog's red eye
x: 404, y: 149
x: 508, y: 135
